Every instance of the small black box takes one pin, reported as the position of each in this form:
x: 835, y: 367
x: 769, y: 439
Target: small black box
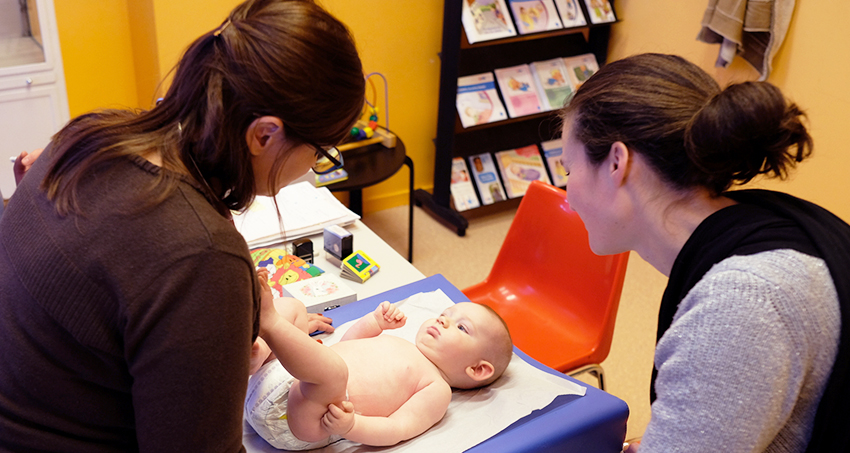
x: 303, y: 248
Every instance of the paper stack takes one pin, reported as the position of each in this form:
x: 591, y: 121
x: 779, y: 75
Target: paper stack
x: 304, y: 210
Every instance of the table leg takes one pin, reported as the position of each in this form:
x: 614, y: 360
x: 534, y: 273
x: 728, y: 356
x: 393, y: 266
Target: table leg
x: 355, y: 201
x: 409, y: 162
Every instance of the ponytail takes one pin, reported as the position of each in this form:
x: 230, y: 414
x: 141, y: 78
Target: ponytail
x: 744, y: 131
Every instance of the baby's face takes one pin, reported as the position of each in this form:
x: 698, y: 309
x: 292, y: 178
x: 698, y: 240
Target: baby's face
x: 459, y: 337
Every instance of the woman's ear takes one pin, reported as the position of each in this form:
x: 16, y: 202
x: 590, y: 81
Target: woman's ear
x: 481, y: 371
x: 619, y: 162
x: 263, y: 133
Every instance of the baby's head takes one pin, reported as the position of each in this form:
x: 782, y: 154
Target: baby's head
x: 469, y: 343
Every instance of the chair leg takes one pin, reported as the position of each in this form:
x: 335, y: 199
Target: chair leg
x: 594, y: 370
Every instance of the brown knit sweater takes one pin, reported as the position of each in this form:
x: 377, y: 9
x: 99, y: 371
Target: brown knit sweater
x: 123, y: 329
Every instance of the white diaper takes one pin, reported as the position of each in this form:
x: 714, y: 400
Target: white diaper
x: 265, y: 408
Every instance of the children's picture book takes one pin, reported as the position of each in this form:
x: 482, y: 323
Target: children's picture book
x: 552, y: 151
x: 520, y: 167
x: 359, y: 267
x: 486, y: 178
x: 321, y: 293
x: 463, y: 194
x: 534, y: 16
x: 283, y: 268
x: 580, y: 68
x: 332, y: 177
x: 478, y: 101
x: 519, y: 90
x: 571, y: 13
x: 484, y: 20
x: 553, y: 81
x: 600, y: 11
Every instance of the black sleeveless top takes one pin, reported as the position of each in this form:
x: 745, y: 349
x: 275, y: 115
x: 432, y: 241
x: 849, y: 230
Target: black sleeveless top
x: 761, y: 221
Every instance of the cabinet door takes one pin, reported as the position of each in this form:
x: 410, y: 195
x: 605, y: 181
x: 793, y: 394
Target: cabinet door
x: 33, y: 101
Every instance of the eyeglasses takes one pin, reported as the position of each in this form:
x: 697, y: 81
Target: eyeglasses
x: 328, y: 160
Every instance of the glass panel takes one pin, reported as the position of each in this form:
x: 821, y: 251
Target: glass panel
x: 20, y: 33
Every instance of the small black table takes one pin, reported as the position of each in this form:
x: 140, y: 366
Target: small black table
x: 368, y: 165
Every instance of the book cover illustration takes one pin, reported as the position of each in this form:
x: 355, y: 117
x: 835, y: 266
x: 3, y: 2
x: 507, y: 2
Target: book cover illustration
x: 486, y: 178
x: 463, y: 194
x: 332, y: 177
x: 534, y: 16
x: 283, y: 268
x: 322, y: 293
x: 580, y: 68
x: 359, y: 267
x: 519, y: 168
x: 519, y: 90
x: 552, y: 151
x: 600, y: 11
x: 571, y: 13
x: 477, y: 100
x: 484, y: 20
x: 555, y: 85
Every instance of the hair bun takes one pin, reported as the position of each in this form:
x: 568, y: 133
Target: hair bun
x: 746, y: 130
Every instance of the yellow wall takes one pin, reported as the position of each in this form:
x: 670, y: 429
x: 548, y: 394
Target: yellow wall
x: 97, y: 55
x: 810, y: 68
x: 116, y: 51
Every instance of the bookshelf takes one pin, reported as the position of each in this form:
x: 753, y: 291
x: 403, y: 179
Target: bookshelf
x: 458, y: 59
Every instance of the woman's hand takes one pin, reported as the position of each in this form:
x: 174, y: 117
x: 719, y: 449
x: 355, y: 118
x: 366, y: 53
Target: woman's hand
x: 24, y: 162
x: 316, y: 322
x: 260, y: 353
x: 631, y: 445
x: 269, y: 317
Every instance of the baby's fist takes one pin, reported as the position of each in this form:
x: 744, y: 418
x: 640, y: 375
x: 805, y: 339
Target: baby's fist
x: 389, y: 316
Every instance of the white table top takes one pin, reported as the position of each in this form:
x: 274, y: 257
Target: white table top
x: 395, y: 269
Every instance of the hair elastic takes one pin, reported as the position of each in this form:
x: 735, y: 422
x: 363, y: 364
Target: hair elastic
x: 221, y: 28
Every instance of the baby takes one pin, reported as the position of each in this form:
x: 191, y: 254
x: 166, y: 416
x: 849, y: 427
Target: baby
x: 368, y: 388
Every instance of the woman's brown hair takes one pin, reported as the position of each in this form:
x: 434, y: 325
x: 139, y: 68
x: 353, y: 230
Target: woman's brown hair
x: 693, y: 133
x: 284, y: 58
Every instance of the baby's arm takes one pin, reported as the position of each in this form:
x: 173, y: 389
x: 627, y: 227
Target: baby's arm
x: 386, y: 317
x: 425, y: 408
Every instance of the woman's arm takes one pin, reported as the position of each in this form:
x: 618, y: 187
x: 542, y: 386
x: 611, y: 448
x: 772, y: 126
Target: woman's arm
x: 739, y: 364
x: 187, y: 341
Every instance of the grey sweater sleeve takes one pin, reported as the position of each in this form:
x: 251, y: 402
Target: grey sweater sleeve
x: 746, y: 360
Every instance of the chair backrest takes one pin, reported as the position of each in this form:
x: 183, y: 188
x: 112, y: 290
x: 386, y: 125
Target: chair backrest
x: 559, y: 299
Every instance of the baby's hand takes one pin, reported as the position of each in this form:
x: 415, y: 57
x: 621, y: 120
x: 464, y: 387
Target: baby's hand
x: 339, y: 420
x: 389, y: 316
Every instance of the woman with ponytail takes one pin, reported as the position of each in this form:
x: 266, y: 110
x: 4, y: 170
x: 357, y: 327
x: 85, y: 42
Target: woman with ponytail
x: 129, y: 300
x: 752, y: 351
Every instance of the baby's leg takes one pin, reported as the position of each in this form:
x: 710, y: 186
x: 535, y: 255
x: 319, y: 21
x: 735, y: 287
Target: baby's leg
x: 322, y: 378
x: 294, y: 311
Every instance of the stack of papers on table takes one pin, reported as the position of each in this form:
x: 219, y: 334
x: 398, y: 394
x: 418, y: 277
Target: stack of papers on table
x: 305, y: 210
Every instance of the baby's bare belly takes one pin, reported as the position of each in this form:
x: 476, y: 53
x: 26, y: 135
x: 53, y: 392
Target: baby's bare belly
x: 383, y: 373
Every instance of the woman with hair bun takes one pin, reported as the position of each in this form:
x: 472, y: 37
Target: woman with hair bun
x: 752, y: 352
x: 129, y: 300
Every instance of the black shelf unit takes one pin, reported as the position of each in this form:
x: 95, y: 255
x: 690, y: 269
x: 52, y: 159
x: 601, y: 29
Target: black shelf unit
x: 458, y: 59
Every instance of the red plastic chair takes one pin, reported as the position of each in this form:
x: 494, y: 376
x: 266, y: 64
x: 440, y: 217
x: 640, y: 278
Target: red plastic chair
x: 559, y: 298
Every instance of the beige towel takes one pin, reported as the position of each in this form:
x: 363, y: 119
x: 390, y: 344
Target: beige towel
x: 753, y: 29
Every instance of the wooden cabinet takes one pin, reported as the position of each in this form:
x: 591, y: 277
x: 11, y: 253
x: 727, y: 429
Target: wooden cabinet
x: 458, y: 59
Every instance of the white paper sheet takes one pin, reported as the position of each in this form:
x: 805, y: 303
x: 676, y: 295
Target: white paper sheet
x: 304, y: 209
x: 473, y: 416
